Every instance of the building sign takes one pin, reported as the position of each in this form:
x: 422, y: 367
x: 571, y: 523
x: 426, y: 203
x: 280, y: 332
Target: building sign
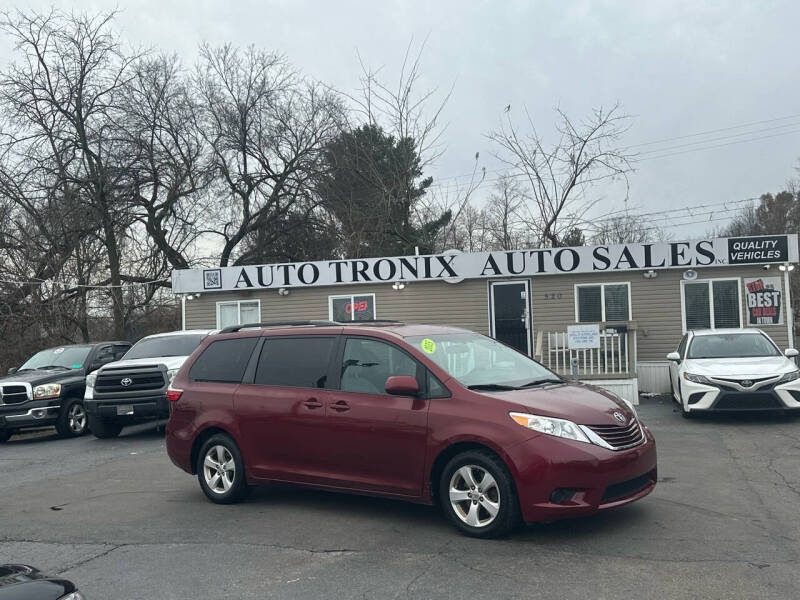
x: 714, y: 252
x: 763, y: 300
x: 583, y: 337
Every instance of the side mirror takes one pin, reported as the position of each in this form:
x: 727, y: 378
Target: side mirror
x: 674, y: 356
x: 13, y: 370
x: 791, y: 352
x: 402, y: 385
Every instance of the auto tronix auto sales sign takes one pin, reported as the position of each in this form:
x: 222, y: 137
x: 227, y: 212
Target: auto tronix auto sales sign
x: 453, y: 267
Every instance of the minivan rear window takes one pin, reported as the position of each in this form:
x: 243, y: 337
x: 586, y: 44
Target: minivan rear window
x: 295, y: 362
x: 223, y: 361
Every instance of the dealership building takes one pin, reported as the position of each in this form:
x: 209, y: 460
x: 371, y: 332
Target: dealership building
x: 608, y: 313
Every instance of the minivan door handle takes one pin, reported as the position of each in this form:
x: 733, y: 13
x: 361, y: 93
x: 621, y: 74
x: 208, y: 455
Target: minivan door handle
x: 312, y: 403
x: 340, y: 406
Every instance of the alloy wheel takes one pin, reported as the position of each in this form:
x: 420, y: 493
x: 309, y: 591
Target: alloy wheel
x: 76, y: 418
x: 474, y: 495
x: 219, y: 469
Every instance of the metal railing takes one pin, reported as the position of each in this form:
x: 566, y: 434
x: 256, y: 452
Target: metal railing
x: 614, y: 357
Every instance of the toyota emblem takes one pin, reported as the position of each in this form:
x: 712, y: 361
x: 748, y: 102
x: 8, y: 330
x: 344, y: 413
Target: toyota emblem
x: 126, y: 381
x: 619, y: 416
x: 746, y: 382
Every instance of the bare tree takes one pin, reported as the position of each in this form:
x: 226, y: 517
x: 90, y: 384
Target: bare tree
x: 558, y: 177
x: 266, y: 127
x: 505, y: 214
x: 623, y: 229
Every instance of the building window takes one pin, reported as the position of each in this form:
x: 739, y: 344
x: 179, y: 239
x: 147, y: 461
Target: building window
x: 602, y: 302
x: 711, y: 304
x: 238, y: 312
x: 351, y: 308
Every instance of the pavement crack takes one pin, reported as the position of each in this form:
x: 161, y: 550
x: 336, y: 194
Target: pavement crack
x: 89, y: 559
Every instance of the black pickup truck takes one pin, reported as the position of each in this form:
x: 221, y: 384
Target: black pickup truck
x: 48, y: 389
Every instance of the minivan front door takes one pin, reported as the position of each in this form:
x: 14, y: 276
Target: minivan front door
x: 375, y: 441
x: 509, y: 313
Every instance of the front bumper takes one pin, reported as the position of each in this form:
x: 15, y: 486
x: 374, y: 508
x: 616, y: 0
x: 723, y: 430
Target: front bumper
x: 34, y: 413
x: 143, y: 407
x: 700, y: 397
x: 596, y: 477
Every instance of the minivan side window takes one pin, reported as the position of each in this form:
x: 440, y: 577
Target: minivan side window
x: 367, y: 364
x: 223, y: 361
x: 295, y: 361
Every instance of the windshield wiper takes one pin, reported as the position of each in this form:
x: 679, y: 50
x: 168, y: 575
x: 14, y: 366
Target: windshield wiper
x: 52, y: 367
x: 536, y: 382
x: 493, y: 387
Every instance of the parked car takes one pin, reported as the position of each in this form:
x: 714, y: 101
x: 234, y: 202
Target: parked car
x: 21, y: 582
x: 733, y: 370
x: 134, y: 389
x: 415, y: 412
x: 48, y: 388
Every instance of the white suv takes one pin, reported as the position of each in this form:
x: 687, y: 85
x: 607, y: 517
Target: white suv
x: 134, y: 388
x: 733, y: 370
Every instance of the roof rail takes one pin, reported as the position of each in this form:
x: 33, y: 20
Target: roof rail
x: 234, y: 328
x: 370, y: 321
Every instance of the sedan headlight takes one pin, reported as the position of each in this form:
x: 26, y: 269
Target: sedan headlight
x: 697, y: 379
x: 790, y: 376
x: 550, y: 426
x: 90, y: 379
x: 48, y: 390
x: 171, y: 374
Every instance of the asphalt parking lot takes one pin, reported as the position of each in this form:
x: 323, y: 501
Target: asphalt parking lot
x: 118, y: 519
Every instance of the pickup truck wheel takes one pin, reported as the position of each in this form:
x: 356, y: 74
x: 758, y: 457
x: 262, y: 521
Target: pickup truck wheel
x: 103, y: 428
x: 220, y: 470
x: 72, y: 420
x: 5, y: 436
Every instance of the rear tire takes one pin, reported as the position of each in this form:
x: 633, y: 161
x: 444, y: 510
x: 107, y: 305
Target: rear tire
x: 220, y: 470
x: 103, y: 428
x: 477, y: 493
x: 72, y: 419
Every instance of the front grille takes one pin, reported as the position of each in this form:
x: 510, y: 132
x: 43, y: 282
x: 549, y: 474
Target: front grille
x: 141, y: 381
x: 754, y: 383
x: 747, y: 401
x: 618, y: 491
x: 14, y: 394
x: 618, y: 436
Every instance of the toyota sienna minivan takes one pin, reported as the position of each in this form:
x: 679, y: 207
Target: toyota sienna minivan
x: 422, y: 413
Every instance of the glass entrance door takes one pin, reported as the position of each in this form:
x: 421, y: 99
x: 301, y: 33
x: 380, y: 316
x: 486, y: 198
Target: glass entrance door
x: 509, y: 313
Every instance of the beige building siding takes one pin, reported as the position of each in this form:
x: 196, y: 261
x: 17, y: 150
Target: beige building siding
x: 656, y: 304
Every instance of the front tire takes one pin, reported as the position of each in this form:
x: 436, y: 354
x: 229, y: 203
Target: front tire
x: 72, y: 420
x: 103, y: 428
x: 478, y: 495
x: 5, y: 436
x: 220, y: 470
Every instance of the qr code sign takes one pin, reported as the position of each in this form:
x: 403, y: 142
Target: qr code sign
x: 212, y: 279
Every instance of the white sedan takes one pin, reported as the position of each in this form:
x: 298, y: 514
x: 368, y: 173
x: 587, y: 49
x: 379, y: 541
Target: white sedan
x: 733, y: 370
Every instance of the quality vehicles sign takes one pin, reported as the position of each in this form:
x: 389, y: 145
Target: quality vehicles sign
x: 452, y: 267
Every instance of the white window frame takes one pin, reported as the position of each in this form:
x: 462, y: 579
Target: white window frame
x: 709, y: 283
x: 352, y: 299
x: 603, y: 299
x: 238, y: 304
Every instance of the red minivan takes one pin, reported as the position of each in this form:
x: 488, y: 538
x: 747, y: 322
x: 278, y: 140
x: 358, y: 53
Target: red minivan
x: 416, y: 412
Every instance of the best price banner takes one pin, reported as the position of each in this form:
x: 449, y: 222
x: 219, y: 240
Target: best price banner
x: 764, y: 299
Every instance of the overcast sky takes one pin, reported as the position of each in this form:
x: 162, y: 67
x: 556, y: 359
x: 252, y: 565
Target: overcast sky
x: 680, y: 67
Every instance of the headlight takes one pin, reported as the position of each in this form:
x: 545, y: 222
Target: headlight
x: 551, y: 426
x: 697, y: 379
x: 90, y: 379
x: 48, y: 390
x: 790, y: 376
x: 171, y: 374
x: 76, y: 595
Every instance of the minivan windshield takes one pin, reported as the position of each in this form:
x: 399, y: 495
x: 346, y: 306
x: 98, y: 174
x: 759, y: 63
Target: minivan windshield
x: 731, y: 345
x: 479, y: 362
x: 64, y: 357
x: 165, y: 345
